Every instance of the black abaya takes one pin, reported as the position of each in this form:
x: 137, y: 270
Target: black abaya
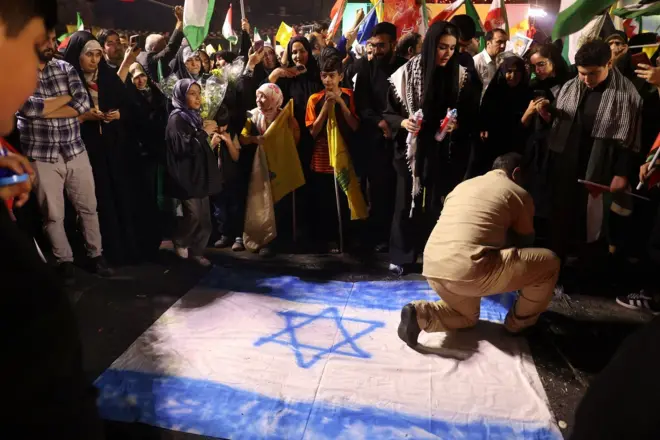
x: 112, y: 159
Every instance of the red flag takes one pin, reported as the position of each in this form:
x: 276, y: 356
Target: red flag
x: 335, y: 8
x: 336, y: 18
x: 446, y: 13
x: 496, y: 17
x: 654, y: 178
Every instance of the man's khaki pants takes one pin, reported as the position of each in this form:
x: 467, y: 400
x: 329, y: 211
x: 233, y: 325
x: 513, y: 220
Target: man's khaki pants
x: 533, y: 272
x: 77, y: 179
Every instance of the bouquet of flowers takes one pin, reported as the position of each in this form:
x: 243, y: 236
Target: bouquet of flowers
x: 213, y: 93
x: 167, y: 85
x: 231, y: 72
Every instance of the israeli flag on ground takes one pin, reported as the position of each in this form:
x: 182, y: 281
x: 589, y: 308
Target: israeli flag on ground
x: 247, y: 356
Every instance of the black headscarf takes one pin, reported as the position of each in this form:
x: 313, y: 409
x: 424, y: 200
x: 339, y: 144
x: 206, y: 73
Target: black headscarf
x: 111, y: 90
x: 500, y: 77
x: 312, y: 64
x: 561, y: 70
x: 440, y: 83
x: 179, y: 65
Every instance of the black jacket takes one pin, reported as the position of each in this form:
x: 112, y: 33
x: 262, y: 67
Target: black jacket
x: 191, y: 168
x: 149, y: 60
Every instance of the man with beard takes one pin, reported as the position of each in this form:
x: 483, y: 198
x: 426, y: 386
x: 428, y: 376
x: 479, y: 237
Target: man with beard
x: 38, y: 328
x: 50, y: 137
x: 113, y: 50
x: 371, y: 88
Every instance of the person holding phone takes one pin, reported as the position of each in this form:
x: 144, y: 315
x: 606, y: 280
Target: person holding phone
x: 110, y: 152
x: 299, y: 80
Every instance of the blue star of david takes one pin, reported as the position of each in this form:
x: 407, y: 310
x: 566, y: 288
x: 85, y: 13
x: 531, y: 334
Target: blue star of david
x: 345, y: 346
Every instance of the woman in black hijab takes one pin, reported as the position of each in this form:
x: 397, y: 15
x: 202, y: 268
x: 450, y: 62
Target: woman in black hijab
x: 427, y: 170
x: 502, y: 108
x: 551, y: 72
x: 299, y: 80
x: 103, y: 132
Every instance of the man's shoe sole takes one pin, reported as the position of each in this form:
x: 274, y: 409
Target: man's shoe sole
x: 408, y: 320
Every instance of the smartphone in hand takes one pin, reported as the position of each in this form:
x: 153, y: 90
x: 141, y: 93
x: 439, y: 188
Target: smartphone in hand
x: 258, y: 45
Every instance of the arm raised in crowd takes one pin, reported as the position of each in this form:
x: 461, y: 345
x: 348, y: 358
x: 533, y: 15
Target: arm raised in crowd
x: 166, y: 55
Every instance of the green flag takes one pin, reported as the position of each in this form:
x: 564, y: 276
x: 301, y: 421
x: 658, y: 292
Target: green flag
x: 471, y: 12
x: 196, y: 19
x: 639, y: 10
x: 575, y: 15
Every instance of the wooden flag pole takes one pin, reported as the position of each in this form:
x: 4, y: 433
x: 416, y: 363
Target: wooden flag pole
x: 654, y: 160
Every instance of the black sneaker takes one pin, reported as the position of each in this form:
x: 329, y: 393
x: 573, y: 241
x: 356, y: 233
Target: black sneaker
x: 266, y: 252
x: 639, y: 301
x: 409, y: 328
x: 67, y: 272
x: 100, y: 267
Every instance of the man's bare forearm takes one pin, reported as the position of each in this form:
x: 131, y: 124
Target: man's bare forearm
x: 63, y: 112
x: 53, y: 104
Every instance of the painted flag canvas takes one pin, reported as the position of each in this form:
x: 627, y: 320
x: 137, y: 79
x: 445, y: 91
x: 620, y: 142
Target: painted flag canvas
x: 246, y: 355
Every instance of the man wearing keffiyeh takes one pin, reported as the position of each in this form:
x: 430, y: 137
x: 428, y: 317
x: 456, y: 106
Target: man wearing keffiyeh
x: 595, y: 137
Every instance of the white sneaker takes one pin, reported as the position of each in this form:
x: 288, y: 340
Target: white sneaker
x: 202, y: 261
x: 181, y: 252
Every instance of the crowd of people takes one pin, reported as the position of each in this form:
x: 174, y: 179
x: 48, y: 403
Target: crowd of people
x: 422, y: 145
x: 139, y: 163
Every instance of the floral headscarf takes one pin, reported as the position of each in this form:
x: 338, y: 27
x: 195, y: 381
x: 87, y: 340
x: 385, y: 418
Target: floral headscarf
x: 274, y: 97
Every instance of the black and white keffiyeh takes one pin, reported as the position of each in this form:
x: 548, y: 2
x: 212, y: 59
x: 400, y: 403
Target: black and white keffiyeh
x: 618, y: 118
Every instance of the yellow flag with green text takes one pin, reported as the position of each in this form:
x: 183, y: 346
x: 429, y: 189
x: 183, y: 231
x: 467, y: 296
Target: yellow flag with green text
x: 284, y: 34
x: 284, y: 166
x: 340, y: 159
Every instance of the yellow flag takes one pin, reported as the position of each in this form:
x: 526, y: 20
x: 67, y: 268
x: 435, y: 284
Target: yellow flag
x: 219, y: 47
x: 210, y: 50
x: 521, y: 28
x: 380, y: 9
x: 71, y: 28
x: 286, y: 172
x: 340, y: 159
x: 284, y: 34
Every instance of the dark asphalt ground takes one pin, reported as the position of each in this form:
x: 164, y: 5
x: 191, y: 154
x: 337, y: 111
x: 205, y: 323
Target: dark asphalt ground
x: 572, y: 343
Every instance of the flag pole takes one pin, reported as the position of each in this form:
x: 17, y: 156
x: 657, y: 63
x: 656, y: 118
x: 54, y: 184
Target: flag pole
x: 160, y: 4
x: 341, y: 226
x: 242, y: 10
x: 294, y: 216
x: 654, y: 160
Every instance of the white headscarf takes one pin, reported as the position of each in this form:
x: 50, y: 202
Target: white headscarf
x: 263, y: 119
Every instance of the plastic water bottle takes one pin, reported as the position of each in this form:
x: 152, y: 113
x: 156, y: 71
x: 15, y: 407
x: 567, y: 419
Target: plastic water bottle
x: 7, y: 176
x: 451, y: 116
x: 417, y: 117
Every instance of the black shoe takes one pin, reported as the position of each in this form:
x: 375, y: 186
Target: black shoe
x: 639, y: 301
x: 67, y: 272
x: 409, y: 328
x: 100, y: 267
x: 266, y: 252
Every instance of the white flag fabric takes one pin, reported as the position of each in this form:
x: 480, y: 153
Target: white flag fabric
x: 196, y: 19
x: 228, y: 29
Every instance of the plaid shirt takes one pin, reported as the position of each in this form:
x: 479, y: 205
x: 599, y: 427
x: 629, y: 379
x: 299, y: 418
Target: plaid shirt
x: 44, y: 139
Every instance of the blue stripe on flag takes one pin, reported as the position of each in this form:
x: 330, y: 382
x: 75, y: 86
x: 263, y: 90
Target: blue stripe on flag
x: 379, y: 295
x: 368, y: 24
x: 217, y: 410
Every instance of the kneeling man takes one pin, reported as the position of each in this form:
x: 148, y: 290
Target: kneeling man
x: 477, y: 249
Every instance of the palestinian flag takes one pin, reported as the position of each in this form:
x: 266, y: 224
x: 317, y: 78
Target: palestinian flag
x: 196, y: 19
x: 579, y: 21
x: 70, y: 30
x: 471, y: 12
x: 642, y: 9
x: 496, y: 17
x: 228, y: 28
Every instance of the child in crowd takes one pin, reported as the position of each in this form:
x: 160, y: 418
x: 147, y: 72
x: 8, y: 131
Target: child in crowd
x: 191, y: 171
x: 337, y: 104
x: 230, y: 204
x: 269, y: 106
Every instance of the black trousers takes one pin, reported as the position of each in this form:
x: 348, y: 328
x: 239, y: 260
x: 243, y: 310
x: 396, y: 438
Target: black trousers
x: 46, y: 394
x: 325, y: 219
x: 195, y: 227
x: 381, y: 178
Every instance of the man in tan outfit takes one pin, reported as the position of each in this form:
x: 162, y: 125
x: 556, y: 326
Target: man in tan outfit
x: 477, y: 249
